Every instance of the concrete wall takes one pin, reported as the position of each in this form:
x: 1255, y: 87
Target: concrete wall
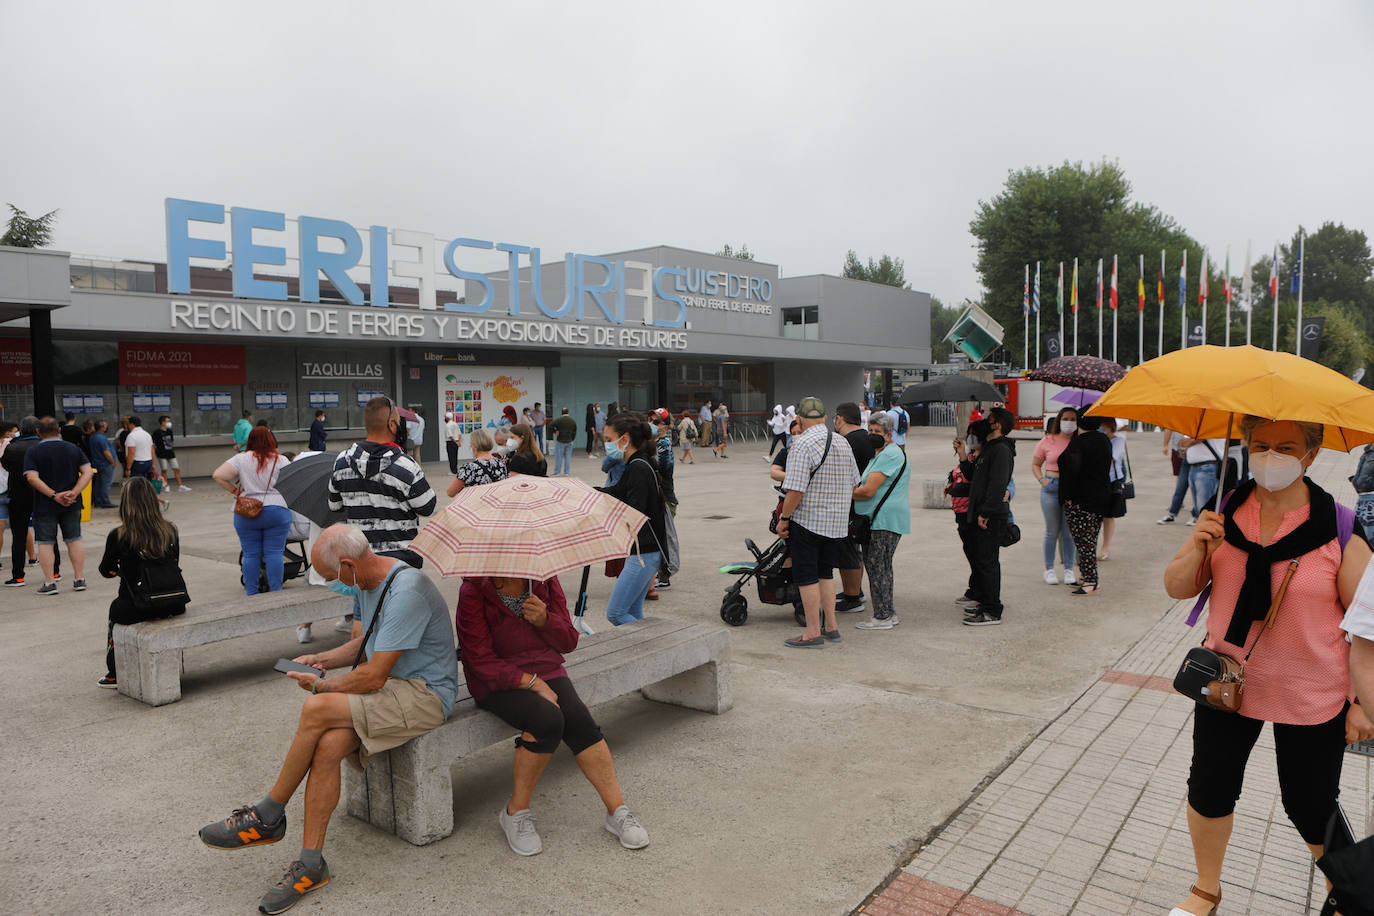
x: 860, y: 313
x: 794, y: 380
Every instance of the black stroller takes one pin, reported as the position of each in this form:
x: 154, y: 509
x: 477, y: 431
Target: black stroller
x: 295, y: 562
x: 774, y: 583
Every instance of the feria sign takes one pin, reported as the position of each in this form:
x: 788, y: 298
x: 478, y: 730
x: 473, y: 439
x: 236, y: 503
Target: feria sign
x: 605, y: 287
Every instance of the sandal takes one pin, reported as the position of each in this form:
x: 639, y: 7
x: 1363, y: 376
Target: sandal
x: 1213, y: 899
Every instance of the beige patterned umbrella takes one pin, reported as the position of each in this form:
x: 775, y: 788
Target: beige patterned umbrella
x: 527, y: 527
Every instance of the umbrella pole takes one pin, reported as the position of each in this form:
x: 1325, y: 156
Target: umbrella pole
x: 1221, y: 465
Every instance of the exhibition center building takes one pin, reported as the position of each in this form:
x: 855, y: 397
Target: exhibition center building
x: 252, y: 310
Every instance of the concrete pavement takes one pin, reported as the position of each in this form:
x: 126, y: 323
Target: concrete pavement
x: 831, y: 771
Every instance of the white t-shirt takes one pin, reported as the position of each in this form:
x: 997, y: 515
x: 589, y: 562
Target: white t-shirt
x: 1201, y: 454
x: 453, y: 431
x: 259, y: 484
x: 1359, y: 619
x: 140, y: 443
x: 416, y: 429
x: 896, y: 414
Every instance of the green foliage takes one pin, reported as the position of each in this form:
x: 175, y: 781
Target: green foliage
x: 1344, y: 346
x: 742, y: 252
x: 886, y: 270
x: 28, y: 231
x: 941, y: 320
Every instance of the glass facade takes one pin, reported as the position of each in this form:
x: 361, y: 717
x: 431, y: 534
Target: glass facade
x: 742, y: 386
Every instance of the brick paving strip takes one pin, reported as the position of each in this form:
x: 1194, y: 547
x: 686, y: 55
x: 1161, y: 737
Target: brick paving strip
x: 1090, y: 818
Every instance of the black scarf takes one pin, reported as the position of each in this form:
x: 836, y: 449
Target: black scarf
x: 1257, y: 593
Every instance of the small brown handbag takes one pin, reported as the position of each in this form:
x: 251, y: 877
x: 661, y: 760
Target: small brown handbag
x: 248, y: 506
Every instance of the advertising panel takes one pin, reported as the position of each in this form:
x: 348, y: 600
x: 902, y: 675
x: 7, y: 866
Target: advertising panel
x: 478, y: 396
x: 180, y: 364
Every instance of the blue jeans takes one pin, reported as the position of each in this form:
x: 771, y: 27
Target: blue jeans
x: 100, y: 494
x: 539, y: 437
x: 1180, y: 491
x: 627, y: 597
x: 1202, y: 480
x: 562, y: 458
x: 263, y: 539
x: 1056, y: 528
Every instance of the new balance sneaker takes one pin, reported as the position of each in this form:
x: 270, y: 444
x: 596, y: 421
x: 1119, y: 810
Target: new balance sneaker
x: 47, y: 590
x: 15, y: 582
x: 877, y: 623
x: 298, y: 881
x: 982, y: 619
x: 1070, y: 578
x: 242, y: 828
x: 849, y: 604
x: 78, y: 585
x: 521, y: 835
x: 628, y: 830
x: 1051, y: 578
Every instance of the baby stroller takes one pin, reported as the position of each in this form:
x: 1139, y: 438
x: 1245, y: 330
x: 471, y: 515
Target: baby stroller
x: 774, y: 583
x: 295, y: 562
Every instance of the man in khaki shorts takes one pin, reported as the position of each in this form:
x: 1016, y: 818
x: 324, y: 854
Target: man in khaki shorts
x: 403, y: 688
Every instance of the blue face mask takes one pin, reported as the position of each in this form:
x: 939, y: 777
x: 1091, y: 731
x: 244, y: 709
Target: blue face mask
x: 613, y: 449
x: 348, y: 591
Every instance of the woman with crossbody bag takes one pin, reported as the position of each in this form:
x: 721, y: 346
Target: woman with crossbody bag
x: 261, y: 519
x: 883, y: 513
x: 627, y: 436
x: 1284, y: 564
x: 143, y: 554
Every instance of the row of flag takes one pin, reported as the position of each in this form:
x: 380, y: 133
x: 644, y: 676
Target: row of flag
x: 1030, y: 295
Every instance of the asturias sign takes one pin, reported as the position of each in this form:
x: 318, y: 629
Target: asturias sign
x: 605, y: 286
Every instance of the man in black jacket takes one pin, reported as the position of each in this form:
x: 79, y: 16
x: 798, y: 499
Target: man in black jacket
x: 988, y: 509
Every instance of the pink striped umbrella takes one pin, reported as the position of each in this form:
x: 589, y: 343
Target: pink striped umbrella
x: 527, y: 527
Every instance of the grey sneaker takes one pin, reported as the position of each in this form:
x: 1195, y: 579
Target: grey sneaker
x: 877, y: 623
x: 47, y: 590
x: 78, y: 585
x: 242, y: 828
x: 848, y: 604
x: 627, y: 829
x: 295, y: 884
x: 520, y: 833
x: 982, y: 619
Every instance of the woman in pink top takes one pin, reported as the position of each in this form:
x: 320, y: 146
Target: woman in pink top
x: 1278, y: 526
x: 1045, y: 467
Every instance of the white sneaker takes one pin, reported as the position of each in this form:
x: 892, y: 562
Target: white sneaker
x: 344, y: 624
x: 626, y: 828
x: 520, y: 833
x: 1070, y: 578
x: 1191, y: 522
x: 877, y: 623
x: 1051, y: 578
x: 183, y: 488
x: 303, y: 634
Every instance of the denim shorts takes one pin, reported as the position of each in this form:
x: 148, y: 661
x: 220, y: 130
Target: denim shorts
x: 68, y: 519
x: 4, y: 507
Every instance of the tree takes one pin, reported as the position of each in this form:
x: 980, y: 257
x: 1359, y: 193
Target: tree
x: 1056, y: 214
x: 28, y: 231
x: 886, y: 270
x: 742, y: 252
x: 942, y: 318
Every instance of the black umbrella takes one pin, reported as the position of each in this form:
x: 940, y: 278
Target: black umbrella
x: 304, y: 484
x: 950, y: 388
x: 1349, y: 866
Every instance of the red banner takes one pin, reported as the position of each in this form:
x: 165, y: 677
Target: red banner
x: 180, y: 364
x: 16, y: 363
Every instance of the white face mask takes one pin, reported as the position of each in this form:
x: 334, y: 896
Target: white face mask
x: 1068, y: 426
x: 973, y: 443
x: 513, y: 442
x: 1275, y: 471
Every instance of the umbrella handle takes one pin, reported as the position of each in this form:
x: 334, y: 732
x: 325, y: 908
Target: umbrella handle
x: 1225, y: 457
x: 581, y: 606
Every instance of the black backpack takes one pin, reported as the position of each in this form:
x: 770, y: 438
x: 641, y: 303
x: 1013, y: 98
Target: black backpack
x: 1363, y: 480
x: 902, y: 421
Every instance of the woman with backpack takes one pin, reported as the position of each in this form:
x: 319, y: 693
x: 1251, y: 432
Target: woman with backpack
x: 143, y: 553
x: 687, y: 435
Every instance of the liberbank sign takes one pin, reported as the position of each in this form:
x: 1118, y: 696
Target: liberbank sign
x: 593, y: 286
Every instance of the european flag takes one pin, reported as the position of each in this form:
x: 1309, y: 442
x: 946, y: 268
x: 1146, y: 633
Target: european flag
x: 1182, y: 290
x: 1296, y: 280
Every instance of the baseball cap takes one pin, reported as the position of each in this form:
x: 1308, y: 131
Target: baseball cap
x: 660, y: 415
x: 810, y: 408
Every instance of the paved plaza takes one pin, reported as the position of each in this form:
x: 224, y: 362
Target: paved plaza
x: 1035, y: 767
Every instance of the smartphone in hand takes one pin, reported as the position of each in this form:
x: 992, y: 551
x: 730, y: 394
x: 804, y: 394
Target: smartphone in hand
x: 286, y: 665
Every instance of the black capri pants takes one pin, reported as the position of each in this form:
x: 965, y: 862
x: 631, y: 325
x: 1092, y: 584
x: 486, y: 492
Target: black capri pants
x: 569, y: 721
x: 1309, y: 764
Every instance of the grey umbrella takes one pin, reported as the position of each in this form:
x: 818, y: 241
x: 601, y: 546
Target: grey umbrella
x: 304, y: 484
x: 950, y: 388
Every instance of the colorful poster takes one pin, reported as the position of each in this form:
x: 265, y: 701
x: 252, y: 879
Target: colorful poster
x: 180, y: 364
x: 477, y: 396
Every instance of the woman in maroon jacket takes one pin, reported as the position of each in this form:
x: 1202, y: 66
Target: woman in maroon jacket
x: 514, y: 634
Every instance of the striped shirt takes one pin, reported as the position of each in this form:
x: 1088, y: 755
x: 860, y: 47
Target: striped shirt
x: 826, y: 497
x: 383, y: 491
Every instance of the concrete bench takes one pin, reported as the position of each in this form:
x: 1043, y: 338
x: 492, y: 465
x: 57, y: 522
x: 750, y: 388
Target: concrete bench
x: 408, y: 791
x: 148, y: 654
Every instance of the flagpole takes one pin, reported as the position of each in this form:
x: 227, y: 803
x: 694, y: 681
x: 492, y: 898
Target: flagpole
x: 1274, y: 294
x: 1025, y: 312
x: 1202, y: 294
x: 1247, y: 287
x: 1116, y: 306
x: 1183, y: 302
x: 1099, y: 308
x: 1140, y: 317
x: 1075, y: 307
x: 1297, y: 337
x: 1037, y: 314
x: 1161, y: 302
x: 1226, y: 289
x: 1061, y: 308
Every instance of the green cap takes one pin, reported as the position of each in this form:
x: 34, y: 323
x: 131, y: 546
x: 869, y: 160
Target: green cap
x: 810, y: 408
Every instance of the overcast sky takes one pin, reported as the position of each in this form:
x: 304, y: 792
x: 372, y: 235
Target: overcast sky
x: 801, y: 128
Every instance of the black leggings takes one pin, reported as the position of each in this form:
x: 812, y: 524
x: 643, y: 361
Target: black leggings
x: 1309, y: 763
x: 778, y: 439
x: 526, y: 710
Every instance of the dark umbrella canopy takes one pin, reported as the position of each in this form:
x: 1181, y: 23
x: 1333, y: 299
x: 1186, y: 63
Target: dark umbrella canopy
x: 304, y: 484
x: 950, y: 388
x: 1080, y: 372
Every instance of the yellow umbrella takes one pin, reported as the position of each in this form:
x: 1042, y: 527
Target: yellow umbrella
x: 1203, y: 391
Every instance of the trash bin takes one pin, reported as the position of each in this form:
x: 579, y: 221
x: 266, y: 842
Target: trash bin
x: 86, y: 503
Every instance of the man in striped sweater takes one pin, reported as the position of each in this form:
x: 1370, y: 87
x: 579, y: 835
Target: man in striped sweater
x: 381, y: 489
